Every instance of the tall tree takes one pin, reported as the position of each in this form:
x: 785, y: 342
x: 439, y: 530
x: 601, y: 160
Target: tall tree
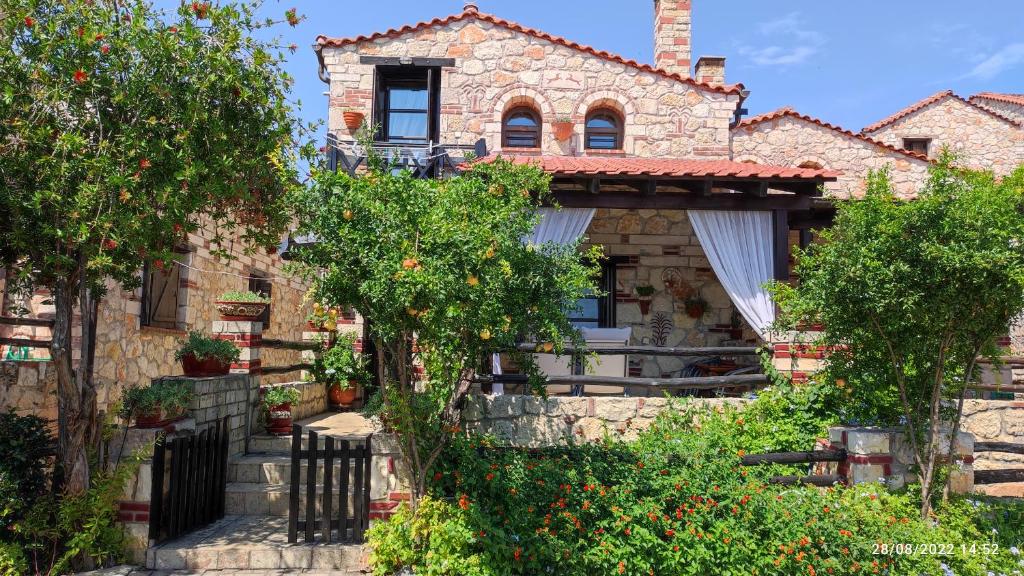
x: 440, y: 270
x: 910, y: 293
x: 122, y: 129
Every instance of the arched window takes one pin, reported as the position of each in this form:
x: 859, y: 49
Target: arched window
x: 603, y: 131
x: 521, y: 128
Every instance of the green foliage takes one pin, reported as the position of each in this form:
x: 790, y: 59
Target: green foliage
x: 173, y: 396
x: 911, y: 292
x: 26, y: 446
x: 277, y: 395
x: 675, y: 502
x: 442, y: 261
x: 204, y: 347
x: 340, y: 364
x: 645, y: 291
x: 60, y: 529
x: 12, y: 560
x: 243, y: 296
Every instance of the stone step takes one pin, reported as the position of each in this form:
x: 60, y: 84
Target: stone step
x: 276, y: 469
x: 252, y: 543
x: 266, y: 444
x: 250, y: 499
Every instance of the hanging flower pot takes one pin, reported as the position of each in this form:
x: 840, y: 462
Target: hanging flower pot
x: 645, y: 305
x: 643, y: 294
x: 353, y: 119
x: 563, y: 129
x: 695, y: 307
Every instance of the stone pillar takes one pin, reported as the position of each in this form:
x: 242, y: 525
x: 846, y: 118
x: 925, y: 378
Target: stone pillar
x: 710, y: 70
x: 248, y: 336
x: 389, y: 484
x: 672, y: 26
x: 886, y: 455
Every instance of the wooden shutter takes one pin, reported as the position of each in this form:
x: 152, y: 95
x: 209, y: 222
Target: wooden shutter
x: 161, y: 300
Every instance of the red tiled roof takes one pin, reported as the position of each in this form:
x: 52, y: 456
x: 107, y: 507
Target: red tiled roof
x: 928, y: 102
x: 787, y: 111
x: 473, y: 13
x: 1017, y: 99
x: 668, y: 167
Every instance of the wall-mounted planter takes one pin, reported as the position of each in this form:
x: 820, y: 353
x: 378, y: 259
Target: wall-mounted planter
x: 245, y: 311
x: 563, y: 130
x: 353, y: 120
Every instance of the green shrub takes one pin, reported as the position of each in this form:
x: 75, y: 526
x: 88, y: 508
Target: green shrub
x: 12, y: 560
x: 202, y: 347
x: 25, y: 450
x: 677, y: 501
x: 277, y: 395
x: 340, y: 364
x: 173, y: 396
x: 243, y: 296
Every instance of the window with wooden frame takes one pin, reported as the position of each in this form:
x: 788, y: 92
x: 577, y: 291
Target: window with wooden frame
x: 603, y: 130
x: 163, y: 293
x: 259, y: 283
x: 407, y: 104
x: 598, y: 311
x: 521, y: 128
x: 919, y: 145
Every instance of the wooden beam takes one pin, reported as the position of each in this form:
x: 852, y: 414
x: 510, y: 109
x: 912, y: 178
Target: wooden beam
x: 822, y: 480
x: 708, y: 187
x: 794, y: 457
x: 651, y: 187
x: 285, y: 369
x: 780, y: 246
x: 406, y: 61
x: 1008, y: 388
x: 696, y: 383
x: 290, y: 344
x: 18, y: 321
x: 999, y: 476
x: 594, y: 185
x: 723, y: 201
x: 1008, y: 447
x: 25, y: 342
x: 655, y: 350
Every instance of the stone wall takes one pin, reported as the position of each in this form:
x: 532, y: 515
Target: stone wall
x: 534, y: 421
x: 660, y: 247
x: 498, y: 67
x: 221, y: 396
x: 29, y: 388
x: 791, y: 140
x: 1008, y: 109
x: 996, y: 421
x: 313, y: 399
x: 979, y: 138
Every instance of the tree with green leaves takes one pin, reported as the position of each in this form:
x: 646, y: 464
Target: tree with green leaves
x: 440, y: 271
x: 911, y: 294
x: 123, y: 129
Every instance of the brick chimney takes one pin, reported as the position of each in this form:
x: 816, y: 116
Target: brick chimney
x: 710, y: 70
x: 672, y: 36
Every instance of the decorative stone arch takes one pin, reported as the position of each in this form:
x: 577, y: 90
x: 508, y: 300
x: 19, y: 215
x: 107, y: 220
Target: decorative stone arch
x: 617, y: 102
x: 521, y: 95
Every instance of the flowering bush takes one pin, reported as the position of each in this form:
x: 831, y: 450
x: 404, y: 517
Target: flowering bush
x: 677, y: 501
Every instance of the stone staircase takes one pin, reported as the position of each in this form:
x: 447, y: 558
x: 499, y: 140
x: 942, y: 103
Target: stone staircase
x: 253, y: 533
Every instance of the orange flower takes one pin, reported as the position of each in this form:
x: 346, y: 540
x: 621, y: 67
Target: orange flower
x: 144, y: 163
x: 30, y: 21
x: 80, y: 76
x: 622, y: 567
x: 518, y: 553
x: 464, y: 502
x: 489, y: 477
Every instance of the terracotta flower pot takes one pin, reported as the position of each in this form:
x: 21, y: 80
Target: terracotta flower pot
x: 343, y: 397
x: 244, y: 311
x: 156, y: 418
x: 645, y: 305
x: 195, y: 368
x: 563, y: 130
x: 279, y: 419
x: 353, y: 120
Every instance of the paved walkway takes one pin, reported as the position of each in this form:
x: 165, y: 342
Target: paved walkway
x: 339, y: 424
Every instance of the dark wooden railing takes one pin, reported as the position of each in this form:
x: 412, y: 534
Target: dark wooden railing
x: 1001, y: 475
x: 354, y: 461
x: 25, y: 342
x: 189, y: 482
x: 800, y: 458
x: 429, y: 160
x: 275, y: 343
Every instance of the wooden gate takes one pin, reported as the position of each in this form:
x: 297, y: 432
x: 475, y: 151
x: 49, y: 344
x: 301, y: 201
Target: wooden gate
x: 189, y: 481
x: 319, y: 513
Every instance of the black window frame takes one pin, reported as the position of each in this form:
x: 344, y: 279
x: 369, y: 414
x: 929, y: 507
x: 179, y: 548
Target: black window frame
x: 908, y: 144
x: 537, y: 130
x: 260, y: 283
x: 386, y: 77
x: 606, y: 316
x: 616, y: 132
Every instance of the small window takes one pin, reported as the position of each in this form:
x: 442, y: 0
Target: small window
x: 163, y: 294
x: 521, y: 129
x: 406, y: 108
x: 598, y: 311
x: 260, y: 284
x: 919, y: 145
x: 603, y: 131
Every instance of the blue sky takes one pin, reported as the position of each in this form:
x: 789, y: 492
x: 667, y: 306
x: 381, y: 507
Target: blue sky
x: 847, y: 62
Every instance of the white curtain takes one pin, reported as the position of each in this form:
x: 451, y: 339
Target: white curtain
x: 561, y: 226
x: 739, y: 245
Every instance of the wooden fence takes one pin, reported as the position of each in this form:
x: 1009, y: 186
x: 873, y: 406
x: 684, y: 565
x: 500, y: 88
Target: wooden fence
x: 800, y: 458
x: 288, y: 345
x: 189, y: 482
x: 1001, y: 475
x: 354, y: 461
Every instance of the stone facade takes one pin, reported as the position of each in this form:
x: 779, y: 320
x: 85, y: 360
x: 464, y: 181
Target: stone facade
x: 533, y: 421
x: 1011, y: 106
x: 500, y: 65
x: 995, y: 421
x: 673, y: 22
x: 786, y: 138
x: 29, y: 388
x: 980, y: 138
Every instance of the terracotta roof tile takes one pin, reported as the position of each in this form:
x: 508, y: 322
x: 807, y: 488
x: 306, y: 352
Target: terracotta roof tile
x: 1017, y: 99
x: 787, y: 111
x: 325, y: 41
x: 928, y: 102
x: 669, y: 167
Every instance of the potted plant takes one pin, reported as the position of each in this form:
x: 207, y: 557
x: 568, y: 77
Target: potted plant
x: 277, y: 401
x: 342, y: 370
x: 696, y: 306
x: 156, y: 405
x: 563, y: 128
x: 241, y: 305
x: 643, y: 298
x: 353, y: 118
x: 735, y: 326
x: 202, y: 356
